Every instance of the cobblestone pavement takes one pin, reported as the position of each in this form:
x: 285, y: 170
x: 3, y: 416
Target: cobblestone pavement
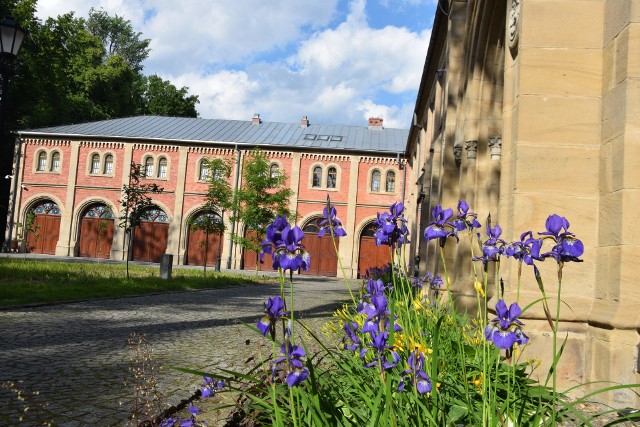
x: 76, y: 354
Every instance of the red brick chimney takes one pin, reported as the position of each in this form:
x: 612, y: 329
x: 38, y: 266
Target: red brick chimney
x: 375, y: 122
x: 304, y: 122
x: 256, y: 119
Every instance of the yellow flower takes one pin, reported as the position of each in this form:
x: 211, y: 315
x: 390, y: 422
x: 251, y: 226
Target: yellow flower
x: 479, y: 288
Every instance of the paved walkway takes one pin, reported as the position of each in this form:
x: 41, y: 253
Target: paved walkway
x: 76, y: 354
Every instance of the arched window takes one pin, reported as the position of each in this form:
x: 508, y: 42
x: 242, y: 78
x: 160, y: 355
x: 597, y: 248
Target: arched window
x: 148, y: 167
x: 108, y: 165
x: 203, y: 174
x: 162, y: 167
x: 55, y: 162
x: 390, y: 184
x: 332, y: 177
x: 375, y: 180
x: 317, y: 177
x: 95, y: 163
x: 274, y: 170
x: 42, y: 161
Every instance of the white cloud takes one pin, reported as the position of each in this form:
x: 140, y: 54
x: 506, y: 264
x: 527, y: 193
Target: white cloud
x: 281, y: 58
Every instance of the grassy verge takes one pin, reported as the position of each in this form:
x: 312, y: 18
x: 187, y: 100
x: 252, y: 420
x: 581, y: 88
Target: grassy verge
x: 35, y: 281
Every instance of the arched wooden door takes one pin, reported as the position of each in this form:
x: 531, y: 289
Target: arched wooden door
x: 150, y: 239
x: 45, y: 230
x: 96, y: 232
x: 323, y: 258
x: 249, y: 259
x: 370, y: 254
x: 201, y: 249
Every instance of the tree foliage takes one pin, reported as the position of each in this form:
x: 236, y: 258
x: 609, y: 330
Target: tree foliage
x: 217, y: 200
x: 135, y: 202
x: 72, y: 70
x: 118, y: 38
x: 261, y: 197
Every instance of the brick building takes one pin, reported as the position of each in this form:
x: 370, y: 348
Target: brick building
x: 72, y: 176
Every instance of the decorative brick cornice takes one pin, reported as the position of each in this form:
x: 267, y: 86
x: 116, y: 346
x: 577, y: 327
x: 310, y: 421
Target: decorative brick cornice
x: 155, y: 147
x: 326, y: 157
x: 278, y: 154
x: 211, y: 150
x: 382, y: 160
x: 47, y: 142
x: 103, y: 144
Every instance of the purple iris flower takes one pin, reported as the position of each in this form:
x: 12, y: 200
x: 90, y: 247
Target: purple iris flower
x: 419, y: 377
x: 297, y: 371
x: 170, y: 422
x: 493, y: 247
x: 567, y: 246
x: 435, y: 283
x: 273, y: 236
x: 505, y: 330
x: 465, y: 220
x: 391, y: 227
x: 330, y: 221
x: 527, y: 249
x: 440, y: 228
x: 351, y: 334
x: 191, y: 422
x: 379, y: 344
x: 274, y: 310
x: 374, y: 287
x: 289, y: 253
x: 210, y: 386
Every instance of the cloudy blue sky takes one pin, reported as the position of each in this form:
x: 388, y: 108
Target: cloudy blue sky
x: 336, y: 61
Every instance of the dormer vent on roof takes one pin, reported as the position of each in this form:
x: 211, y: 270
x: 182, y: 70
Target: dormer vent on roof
x: 304, y: 122
x: 375, y: 123
x: 256, y: 119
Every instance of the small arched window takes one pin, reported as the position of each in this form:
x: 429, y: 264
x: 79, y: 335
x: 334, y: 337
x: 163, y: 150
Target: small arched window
x: 108, y: 165
x: 274, y: 170
x: 162, y: 167
x: 375, y: 180
x: 148, y: 167
x: 317, y: 177
x: 390, y: 184
x: 42, y: 161
x: 55, y: 162
x: 332, y: 177
x: 203, y: 174
x: 95, y: 163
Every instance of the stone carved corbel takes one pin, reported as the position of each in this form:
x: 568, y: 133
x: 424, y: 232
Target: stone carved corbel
x: 472, y: 149
x: 495, y: 146
x: 457, y: 153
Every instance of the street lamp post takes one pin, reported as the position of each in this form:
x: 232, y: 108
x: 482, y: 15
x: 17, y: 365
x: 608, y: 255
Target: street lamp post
x: 11, y: 37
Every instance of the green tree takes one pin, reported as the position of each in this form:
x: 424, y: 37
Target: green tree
x: 261, y: 197
x: 218, y: 199
x: 72, y: 70
x: 161, y: 98
x: 118, y: 38
x: 135, y: 201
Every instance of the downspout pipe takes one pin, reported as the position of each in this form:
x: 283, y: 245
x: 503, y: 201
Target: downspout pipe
x: 14, y: 195
x: 235, y: 190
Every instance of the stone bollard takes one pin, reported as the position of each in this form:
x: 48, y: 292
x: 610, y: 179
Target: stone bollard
x: 166, y: 265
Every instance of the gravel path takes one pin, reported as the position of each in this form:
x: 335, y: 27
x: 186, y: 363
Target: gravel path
x: 76, y: 354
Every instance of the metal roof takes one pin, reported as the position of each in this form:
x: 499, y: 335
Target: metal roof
x: 267, y: 134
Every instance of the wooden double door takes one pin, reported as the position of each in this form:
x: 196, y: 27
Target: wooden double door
x: 96, y: 233
x: 150, y: 239
x: 371, y: 255
x: 45, y: 229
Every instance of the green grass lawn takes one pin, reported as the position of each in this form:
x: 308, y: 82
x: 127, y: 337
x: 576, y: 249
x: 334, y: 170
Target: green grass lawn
x: 24, y: 281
